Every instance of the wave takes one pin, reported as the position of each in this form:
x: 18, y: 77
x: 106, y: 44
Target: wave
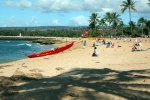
x: 27, y: 44
x: 4, y: 41
x: 7, y: 41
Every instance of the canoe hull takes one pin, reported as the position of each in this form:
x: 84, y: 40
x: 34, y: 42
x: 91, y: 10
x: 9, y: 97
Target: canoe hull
x: 50, y: 52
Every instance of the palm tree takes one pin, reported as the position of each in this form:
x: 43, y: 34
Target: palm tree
x: 121, y: 25
x: 108, y: 18
x: 132, y: 24
x: 130, y: 5
x: 115, y: 20
x: 112, y: 18
x: 102, y: 24
x: 141, y: 22
x: 148, y: 26
x: 94, y: 19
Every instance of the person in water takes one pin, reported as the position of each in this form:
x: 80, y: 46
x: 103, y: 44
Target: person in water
x: 95, y: 53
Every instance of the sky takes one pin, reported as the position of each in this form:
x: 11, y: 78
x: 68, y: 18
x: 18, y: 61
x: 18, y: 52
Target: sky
x: 26, y: 13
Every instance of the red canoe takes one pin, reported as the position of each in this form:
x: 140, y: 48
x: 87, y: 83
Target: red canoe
x: 50, y: 52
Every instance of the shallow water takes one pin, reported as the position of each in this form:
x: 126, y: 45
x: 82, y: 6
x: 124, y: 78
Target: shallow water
x: 11, y: 50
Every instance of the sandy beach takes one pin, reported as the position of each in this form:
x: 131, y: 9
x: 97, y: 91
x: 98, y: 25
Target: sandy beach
x: 116, y: 74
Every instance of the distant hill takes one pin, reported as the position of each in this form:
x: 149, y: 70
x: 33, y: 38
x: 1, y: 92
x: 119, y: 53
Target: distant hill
x: 45, y: 27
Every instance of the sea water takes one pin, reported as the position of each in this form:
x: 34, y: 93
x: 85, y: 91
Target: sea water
x: 11, y: 50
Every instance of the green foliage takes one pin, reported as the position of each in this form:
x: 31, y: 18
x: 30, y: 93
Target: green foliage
x: 128, y: 4
x: 93, y: 24
x: 93, y: 21
x: 50, y: 33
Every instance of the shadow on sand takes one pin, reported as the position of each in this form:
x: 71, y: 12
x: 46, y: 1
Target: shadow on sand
x: 82, y: 84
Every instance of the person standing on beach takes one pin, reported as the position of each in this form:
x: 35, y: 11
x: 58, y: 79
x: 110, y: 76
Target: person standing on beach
x: 84, y: 44
x: 94, y: 44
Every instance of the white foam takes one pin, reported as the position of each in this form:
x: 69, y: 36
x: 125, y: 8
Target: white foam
x: 25, y: 44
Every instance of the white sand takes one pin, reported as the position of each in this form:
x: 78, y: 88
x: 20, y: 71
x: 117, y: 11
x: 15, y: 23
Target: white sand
x: 120, y: 75
x: 78, y: 57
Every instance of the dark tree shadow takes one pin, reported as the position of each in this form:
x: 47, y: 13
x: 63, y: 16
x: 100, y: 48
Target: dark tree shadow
x: 81, y: 84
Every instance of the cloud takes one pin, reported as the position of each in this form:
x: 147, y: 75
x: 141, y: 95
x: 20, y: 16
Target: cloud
x: 56, y: 5
x: 20, y: 4
x: 77, y: 5
x: 79, y: 21
x: 70, y: 5
x: 142, y: 6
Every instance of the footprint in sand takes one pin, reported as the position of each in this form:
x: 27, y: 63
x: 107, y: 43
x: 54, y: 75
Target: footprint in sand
x: 1, y: 71
x: 18, y: 72
x: 59, y: 68
x: 1, y: 67
x: 23, y: 65
x: 97, y: 62
x: 36, y: 70
x: 46, y: 58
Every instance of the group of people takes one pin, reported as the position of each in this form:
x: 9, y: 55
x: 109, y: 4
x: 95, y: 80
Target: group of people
x: 95, y: 52
x: 136, y: 46
x: 112, y: 45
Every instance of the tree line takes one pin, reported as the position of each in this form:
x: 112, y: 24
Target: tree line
x: 46, y: 33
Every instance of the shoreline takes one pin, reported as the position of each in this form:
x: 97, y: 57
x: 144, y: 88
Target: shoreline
x: 42, y: 41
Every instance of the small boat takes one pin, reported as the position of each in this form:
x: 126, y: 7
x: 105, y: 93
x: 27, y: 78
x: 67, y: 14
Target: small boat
x: 50, y: 52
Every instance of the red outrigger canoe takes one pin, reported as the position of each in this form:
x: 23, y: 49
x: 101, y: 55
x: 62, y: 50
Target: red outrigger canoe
x: 50, y: 52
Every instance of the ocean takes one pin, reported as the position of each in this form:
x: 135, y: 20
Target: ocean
x: 11, y: 50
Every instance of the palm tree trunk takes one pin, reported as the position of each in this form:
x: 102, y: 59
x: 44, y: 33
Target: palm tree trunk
x: 130, y: 19
x: 116, y: 33
x: 109, y: 30
x: 142, y: 29
x: 102, y: 30
x: 122, y: 32
x: 148, y: 31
